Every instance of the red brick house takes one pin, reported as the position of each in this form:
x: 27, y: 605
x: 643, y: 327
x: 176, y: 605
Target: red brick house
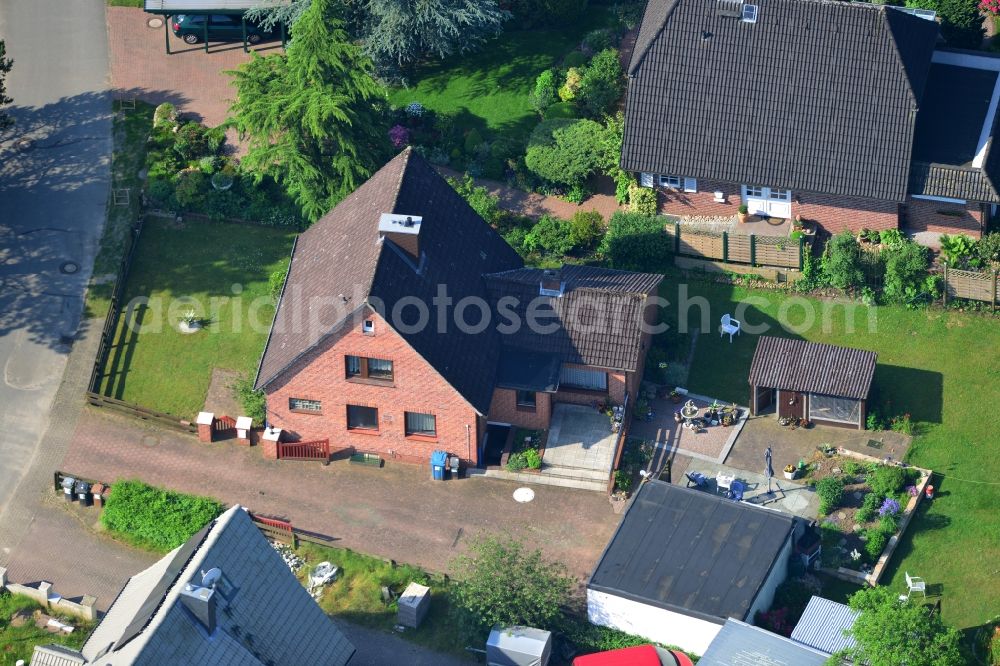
x: 842, y: 113
x: 389, y: 336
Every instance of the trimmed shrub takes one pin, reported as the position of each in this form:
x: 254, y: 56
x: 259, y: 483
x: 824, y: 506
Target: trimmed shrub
x: 905, y: 271
x: 155, y: 518
x: 586, y: 228
x: 642, y: 200
x: 575, y: 59
x: 875, y: 544
x: 869, y: 508
x: 550, y: 234
x: 544, y: 94
x: 191, y: 188
x: 602, y: 84
x: 191, y: 142
x: 473, y: 139
x: 831, y: 492
x: 569, y: 89
x: 478, y: 198
x: 886, y: 481
x: 842, y: 262
x: 598, y: 40
x: 636, y: 242
x: 565, y: 151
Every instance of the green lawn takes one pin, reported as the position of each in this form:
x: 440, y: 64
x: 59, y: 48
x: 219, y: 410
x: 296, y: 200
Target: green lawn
x: 18, y: 642
x: 488, y: 90
x: 221, y: 270
x: 940, y: 366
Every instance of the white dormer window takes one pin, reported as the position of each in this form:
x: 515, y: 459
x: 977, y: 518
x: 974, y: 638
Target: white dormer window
x: 646, y: 179
x: 368, y: 327
x: 749, y: 14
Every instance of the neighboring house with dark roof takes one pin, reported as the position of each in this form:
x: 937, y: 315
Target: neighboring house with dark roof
x: 403, y: 311
x: 739, y: 643
x: 683, y: 561
x: 823, y: 383
x: 835, y: 112
x: 823, y: 624
x: 223, y: 598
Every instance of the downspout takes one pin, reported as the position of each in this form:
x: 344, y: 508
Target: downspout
x: 468, y: 442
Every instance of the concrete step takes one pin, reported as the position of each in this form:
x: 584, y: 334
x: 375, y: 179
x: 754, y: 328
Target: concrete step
x: 550, y: 480
x: 576, y: 472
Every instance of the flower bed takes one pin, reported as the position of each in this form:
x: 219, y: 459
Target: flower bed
x: 527, y: 449
x: 865, y: 506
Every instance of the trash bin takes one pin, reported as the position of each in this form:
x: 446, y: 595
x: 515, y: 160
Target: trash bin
x: 455, y: 462
x: 439, y: 460
x: 67, y: 485
x: 83, y: 493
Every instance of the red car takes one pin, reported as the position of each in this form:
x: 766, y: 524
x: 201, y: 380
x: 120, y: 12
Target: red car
x: 642, y: 655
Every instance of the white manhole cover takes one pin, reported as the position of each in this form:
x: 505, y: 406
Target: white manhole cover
x: 69, y: 267
x: 155, y: 23
x: 524, y: 495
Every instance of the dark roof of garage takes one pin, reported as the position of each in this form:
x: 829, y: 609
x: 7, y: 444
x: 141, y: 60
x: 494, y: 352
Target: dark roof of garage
x: 812, y: 367
x: 527, y: 370
x: 815, y: 95
x: 691, y: 552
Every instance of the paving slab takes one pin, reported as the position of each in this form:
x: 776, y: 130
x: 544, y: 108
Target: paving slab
x: 580, y: 436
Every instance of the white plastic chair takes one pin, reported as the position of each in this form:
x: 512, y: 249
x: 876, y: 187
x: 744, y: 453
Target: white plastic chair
x: 915, y: 585
x: 730, y: 326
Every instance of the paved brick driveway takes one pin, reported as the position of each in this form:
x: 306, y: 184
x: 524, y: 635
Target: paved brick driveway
x: 191, y: 79
x: 395, y: 512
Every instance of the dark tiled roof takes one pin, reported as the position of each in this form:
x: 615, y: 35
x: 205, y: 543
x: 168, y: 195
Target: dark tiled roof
x: 797, y: 365
x: 599, y: 314
x: 691, y: 552
x: 527, y: 370
x: 943, y: 180
x: 340, y: 254
x: 815, y: 96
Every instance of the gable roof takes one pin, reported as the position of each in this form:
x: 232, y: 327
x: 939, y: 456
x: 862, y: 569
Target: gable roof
x: 822, y: 625
x: 599, y: 314
x: 256, y: 583
x: 740, y: 643
x: 815, y: 96
x: 707, y: 556
x: 340, y: 264
x: 812, y: 367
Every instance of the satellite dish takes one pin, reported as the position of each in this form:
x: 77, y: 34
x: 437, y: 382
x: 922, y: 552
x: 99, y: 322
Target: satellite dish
x: 211, y: 577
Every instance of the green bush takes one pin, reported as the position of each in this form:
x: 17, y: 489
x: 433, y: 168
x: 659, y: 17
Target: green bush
x: 544, y: 94
x: 891, y: 237
x: 831, y: 492
x: 550, y: 234
x: 575, y: 59
x: 566, y: 151
x: 517, y: 461
x: 602, y: 84
x: 886, y: 480
x: 842, y: 262
x: 598, y: 40
x: 571, y: 86
x: 473, y: 139
x: 623, y: 480
x: 636, y: 242
x: 905, y: 271
x: 988, y: 247
x: 888, y: 524
x: 191, y: 142
x: 869, y: 508
x: 533, y: 459
x: 479, y: 198
x: 156, y: 518
x: 642, y: 200
x: 161, y: 191
x: 545, y: 13
x: 516, y: 237
x: 191, y: 188
x: 875, y: 544
x: 586, y: 228
x: 165, y: 115
x: 560, y: 110
x: 215, y: 138
x: 276, y: 282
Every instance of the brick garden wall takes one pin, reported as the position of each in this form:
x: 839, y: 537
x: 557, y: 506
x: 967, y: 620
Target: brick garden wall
x: 416, y: 387
x: 833, y: 213
x: 504, y: 409
x: 944, y: 218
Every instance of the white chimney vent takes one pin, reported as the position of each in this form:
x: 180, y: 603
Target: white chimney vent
x: 399, y: 224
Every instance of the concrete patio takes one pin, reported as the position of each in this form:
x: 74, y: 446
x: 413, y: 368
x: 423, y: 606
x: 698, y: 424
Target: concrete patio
x: 712, y: 444
x: 786, y: 496
x: 755, y: 225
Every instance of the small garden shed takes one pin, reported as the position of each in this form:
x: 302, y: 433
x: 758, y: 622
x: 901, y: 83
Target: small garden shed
x: 823, y: 383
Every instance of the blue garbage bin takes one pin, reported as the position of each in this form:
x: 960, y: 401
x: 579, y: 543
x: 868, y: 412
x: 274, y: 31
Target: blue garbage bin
x: 439, y: 460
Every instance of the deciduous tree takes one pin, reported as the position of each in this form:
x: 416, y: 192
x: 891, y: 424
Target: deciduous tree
x: 312, y: 116
x: 6, y: 64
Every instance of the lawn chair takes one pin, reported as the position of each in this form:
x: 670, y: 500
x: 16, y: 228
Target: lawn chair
x: 696, y: 479
x: 736, y: 489
x: 915, y: 585
x: 730, y: 326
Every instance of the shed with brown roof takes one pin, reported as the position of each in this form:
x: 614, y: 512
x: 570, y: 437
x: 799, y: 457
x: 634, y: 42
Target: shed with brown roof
x: 809, y: 380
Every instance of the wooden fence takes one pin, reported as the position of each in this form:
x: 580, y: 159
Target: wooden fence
x: 620, y: 441
x: 282, y: 531
x: 315, y: 450
x: 976, y: 286
x: 751, y: 249
x: 142, y: 413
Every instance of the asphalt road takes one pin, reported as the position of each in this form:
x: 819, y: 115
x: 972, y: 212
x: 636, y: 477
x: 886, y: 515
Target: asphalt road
x: 52, y: 208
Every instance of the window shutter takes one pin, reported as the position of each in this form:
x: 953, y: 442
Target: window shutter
x: 646, y: 179
x: 690, y: 185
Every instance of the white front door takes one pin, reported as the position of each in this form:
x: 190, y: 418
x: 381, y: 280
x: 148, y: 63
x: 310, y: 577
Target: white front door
x: 769, y: 201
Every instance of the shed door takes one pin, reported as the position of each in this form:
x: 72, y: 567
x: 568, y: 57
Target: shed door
x: 791, y: 404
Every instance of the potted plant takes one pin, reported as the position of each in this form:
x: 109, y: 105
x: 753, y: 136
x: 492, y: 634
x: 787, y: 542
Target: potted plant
x: 790, y: 471
x: 742, y: 213
x: 675, y: 397
x: 190, y: 322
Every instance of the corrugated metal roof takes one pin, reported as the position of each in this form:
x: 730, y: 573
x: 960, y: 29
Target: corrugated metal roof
x: 56, y: 655
x: 812, y: 367
x: 822, y: 625
x: 739, y: 643
x: 181, y: 6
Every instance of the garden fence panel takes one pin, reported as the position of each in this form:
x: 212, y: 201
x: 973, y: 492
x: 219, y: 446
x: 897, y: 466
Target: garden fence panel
x: 873, y: 265
x: 777, y: 251
x: 702, y: 243
x: 972, y: 285
x: 740, y: 249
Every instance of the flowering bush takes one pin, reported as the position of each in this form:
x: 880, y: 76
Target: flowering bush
x: 399, y: 135
x: 414, y: 109
x: 890, y: 507
x: 912, y: 491
x: 991, y: 6
x: 776, y: 621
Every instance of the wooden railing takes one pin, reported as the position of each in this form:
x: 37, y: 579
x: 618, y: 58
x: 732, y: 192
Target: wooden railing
x: 282, y: 531
x: 316, y: 450
x: 620, y: 441
x: 139, y: 412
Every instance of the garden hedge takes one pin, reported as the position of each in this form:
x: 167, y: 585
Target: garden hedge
x: 156, y: 518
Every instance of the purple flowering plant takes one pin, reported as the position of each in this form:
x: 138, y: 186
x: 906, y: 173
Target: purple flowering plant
x: 890, y: 507
x: 399, y: 135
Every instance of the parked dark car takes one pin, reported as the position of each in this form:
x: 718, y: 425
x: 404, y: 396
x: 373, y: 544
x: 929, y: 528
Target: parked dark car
x: 221, y: 28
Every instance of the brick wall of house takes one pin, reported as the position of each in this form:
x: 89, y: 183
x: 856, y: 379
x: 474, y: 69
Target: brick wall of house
x: 504, y: 409
x: 416, y: 387
x: 833, y: 213
x: 616, y: 390
x: 944, y: 218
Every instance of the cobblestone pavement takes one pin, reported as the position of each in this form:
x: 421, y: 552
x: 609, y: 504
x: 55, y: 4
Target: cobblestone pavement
x: 396, y: 512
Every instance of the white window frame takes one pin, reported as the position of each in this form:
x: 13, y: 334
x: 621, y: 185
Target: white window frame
x: 671, y: 182
x: 368, y: 327
x: 646, y: 179
x: 690, y: 184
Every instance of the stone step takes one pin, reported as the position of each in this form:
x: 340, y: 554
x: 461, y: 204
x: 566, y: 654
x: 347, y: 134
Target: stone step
x: 550, y: 480
x: 575, y: 472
